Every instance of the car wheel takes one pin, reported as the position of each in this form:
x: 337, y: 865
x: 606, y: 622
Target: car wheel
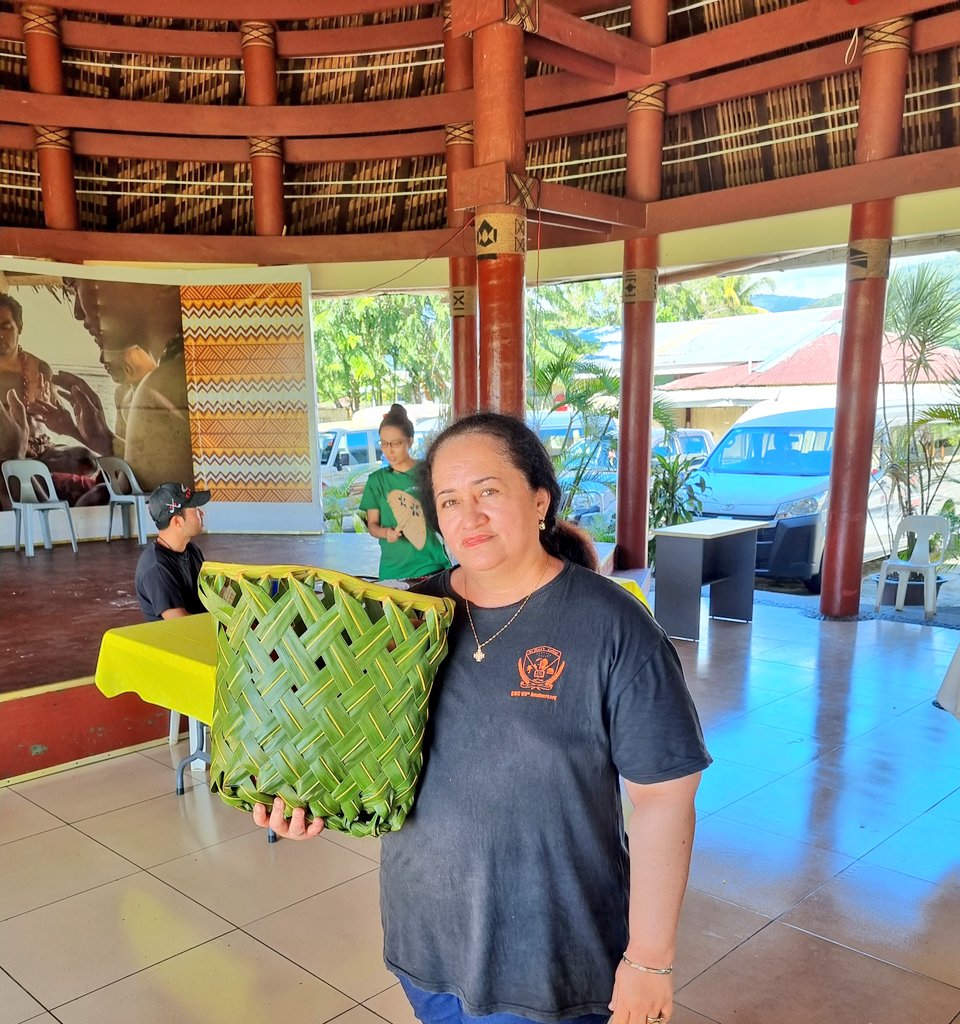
x: 814, y: 584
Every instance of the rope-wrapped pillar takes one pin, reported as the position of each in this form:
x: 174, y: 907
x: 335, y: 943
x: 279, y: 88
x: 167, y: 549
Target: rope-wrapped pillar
x: 645, y: 116
x: 458, y: 76
x: 501, y: 231
x: 258, y: 41
x: 41, y: 37
x: 883, y: 82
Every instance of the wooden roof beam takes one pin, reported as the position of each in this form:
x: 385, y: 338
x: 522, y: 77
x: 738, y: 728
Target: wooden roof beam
x: 878, y: 179
x: 493, y: 185
x: 806, y: 22
x: 579, y: 64
x: 375, y: 117
x: 228, y: 10
x: 80, y: 246
x: 570, y: 37
x: 582, y: 37
x: 126, y: 39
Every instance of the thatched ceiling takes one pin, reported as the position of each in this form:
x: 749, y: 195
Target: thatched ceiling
x: 160, y: 129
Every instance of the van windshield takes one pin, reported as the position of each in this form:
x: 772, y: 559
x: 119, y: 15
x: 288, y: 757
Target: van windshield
x: 326, y: 446
x: 773, y: 451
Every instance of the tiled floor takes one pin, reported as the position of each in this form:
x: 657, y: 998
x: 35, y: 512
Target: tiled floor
x: 825, y: 882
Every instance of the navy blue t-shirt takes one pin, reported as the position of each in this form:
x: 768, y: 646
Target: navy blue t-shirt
x: 508, y: 884
x: 168, y: 579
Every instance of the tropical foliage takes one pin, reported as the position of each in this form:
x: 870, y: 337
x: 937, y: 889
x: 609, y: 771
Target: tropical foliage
x: 920, y: 447
x: 373, y: 350
x: 676, y: 494
x: 341, y: 504
x: 698, y: 299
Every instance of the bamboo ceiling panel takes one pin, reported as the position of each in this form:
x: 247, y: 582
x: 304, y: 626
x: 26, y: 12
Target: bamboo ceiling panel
x: 741, y: 112
x: 932, y: 117
x: 20, y: 203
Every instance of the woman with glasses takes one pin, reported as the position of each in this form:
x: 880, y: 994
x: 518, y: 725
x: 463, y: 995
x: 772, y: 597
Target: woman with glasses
x: 409, y: 549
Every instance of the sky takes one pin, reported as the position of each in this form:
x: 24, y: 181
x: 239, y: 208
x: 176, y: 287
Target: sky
x: 819, y: 282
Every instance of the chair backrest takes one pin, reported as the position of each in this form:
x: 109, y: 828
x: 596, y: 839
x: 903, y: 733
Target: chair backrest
x: 119, y: 477
x: 25, y: 471
x: 924, y: 529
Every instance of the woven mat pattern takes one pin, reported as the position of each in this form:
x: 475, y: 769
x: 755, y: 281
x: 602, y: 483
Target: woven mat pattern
x: 323, y: 682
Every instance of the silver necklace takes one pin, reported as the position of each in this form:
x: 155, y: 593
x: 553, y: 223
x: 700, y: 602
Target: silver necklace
x: 478, y: 654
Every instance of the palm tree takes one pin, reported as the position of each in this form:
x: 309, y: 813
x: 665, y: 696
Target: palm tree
x: 919, y: 449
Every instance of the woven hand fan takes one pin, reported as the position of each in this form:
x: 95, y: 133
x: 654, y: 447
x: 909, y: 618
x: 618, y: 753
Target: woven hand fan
x: 321, y: 693
x: 408, y: 513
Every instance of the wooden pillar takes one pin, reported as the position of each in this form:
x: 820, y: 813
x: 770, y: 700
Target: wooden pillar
x: 266, y: 152
x: 41, y: 37
x: 886, y: 55
x: 645, y: 115
x: 501, y: 231
x: 458, y: 76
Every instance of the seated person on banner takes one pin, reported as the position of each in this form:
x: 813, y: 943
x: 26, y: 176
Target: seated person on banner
x: 168, y: 569
x: 409, y: 549
x: 25, y: 392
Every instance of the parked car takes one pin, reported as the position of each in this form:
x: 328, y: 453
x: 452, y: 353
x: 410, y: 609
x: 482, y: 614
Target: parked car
x: 691, y: 443
x: 774, y: 464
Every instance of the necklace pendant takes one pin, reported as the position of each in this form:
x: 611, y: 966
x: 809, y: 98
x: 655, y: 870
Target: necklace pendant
x: 478, y: 654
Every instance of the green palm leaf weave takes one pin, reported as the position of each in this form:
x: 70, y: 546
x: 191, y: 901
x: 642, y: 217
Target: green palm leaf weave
x: 322, y: 689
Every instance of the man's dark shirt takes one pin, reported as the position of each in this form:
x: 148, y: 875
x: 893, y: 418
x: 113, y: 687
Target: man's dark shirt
x: 168, y: 579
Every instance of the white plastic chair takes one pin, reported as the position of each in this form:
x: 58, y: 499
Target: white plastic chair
x: 920, y: 560
x: 25, y: 471
x: 124, y: 490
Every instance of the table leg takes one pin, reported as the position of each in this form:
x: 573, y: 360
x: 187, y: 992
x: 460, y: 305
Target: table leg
x: 196, y: 731
x: 199, y: 755
x: 734, y: 559
x: 679, y: 577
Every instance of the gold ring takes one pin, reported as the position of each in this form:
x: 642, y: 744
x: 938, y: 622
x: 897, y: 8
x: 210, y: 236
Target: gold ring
x: 656, y: 1020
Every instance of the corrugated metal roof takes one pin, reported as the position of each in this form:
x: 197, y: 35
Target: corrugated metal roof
x: 813, y: 362
x: 694, y: 346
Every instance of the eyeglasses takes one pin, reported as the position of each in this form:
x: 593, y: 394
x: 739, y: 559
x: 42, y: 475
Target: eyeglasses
x: 393, y: 445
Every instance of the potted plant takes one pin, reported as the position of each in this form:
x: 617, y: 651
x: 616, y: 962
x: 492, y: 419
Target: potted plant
x: 676, y: 494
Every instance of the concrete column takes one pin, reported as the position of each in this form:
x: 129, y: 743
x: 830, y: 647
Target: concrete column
x: 41, y: 36
x: 886, y: 55
x: 258, y: 40
x: 458, y: 76
x: 645, y: 116
x: 501, y: 231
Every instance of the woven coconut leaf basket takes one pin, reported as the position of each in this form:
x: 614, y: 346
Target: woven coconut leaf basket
x: 323, y: 682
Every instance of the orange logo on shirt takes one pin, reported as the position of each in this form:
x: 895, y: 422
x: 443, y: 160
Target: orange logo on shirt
x: 539, y: 668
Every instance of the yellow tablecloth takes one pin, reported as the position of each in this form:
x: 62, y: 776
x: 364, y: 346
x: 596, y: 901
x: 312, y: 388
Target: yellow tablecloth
x: 634, y: 588
x: 171, y: 663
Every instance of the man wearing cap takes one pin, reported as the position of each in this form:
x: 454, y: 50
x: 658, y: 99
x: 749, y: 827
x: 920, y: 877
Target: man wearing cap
x: 168, y: 569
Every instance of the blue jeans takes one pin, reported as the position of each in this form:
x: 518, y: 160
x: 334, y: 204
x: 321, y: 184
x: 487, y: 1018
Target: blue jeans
x: 444, y: 1008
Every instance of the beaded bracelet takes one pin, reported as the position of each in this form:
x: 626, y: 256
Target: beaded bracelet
x: 646, y: 970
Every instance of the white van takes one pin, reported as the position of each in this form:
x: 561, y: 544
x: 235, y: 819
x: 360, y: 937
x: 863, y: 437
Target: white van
x: 774, y: 463
x: 347, y: 450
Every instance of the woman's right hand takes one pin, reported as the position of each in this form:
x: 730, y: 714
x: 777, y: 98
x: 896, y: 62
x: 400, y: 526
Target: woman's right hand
x: 392, y: 535
x: 296, y: 828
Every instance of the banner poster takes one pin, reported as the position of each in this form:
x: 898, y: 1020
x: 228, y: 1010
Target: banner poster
x: 209, y: 385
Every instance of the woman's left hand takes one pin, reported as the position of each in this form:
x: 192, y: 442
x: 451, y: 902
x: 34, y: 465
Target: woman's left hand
x: 640, y: 998
x: 296, y: 827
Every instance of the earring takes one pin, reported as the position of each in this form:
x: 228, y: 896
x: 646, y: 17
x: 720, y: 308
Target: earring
x: 543, y: 525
